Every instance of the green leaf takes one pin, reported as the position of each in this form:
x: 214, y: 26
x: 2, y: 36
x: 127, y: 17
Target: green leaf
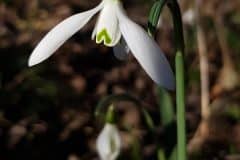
x: 165, y: 106
x: 148, y: 119
x: 161, y: 154
x: 173, y: 155
x: 154, y: 16
x: 136, y: 149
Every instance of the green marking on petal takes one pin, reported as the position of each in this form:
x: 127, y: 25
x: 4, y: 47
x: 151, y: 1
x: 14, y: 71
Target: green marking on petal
x: 103, y: 36
x: 112, y: 144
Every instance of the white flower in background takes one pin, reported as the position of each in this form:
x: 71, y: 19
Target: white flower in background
x: 189, y: 16
x: 112, y: 24
x: 109, y: 142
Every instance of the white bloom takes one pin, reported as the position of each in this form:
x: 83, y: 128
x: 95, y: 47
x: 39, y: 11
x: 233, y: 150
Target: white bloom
x: 189, y: 17
x: 112, y: 24
x: 109, y: 143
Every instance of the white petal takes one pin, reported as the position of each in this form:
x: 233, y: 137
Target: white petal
x: 59, y: 34
x: 107, y: 30
x: 94, y: 31
x: 146, y: 51
x: 121, y: 50
x: 108, y: 137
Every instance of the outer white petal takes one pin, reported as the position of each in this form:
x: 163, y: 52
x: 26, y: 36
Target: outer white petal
x: 121, y: 50
x: 109, y: 143
x: 107, y: 29
x: 94, y: 31
x: 59, y: 34
x: 146, y: 51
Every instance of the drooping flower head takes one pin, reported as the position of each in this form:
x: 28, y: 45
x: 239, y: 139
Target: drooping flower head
x: 112, y: 26
x: 108, y: 142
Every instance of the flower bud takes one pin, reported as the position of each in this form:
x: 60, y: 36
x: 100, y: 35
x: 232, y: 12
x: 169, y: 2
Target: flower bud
x: 109, y: 142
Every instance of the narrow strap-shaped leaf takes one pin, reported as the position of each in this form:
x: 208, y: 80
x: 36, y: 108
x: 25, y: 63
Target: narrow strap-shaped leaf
x: 154, y: 15
x: 165, y: 106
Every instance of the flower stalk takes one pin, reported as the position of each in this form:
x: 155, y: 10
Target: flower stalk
x: 154, y: 16
x: 179, y: 67
x: 180, y: 85
x: 110, y: 116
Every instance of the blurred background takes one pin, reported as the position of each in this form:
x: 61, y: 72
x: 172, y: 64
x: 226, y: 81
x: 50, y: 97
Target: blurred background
x: 47, y: 111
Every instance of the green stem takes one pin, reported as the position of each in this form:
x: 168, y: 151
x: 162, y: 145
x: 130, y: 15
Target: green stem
x: 181, y: 127
x: 180, y: 87
x: 178, y: 27
x: 112, y: 99
x: 161, y: 154
x: 110, y: 116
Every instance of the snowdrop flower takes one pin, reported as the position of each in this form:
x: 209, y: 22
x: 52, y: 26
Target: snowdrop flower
x: 112, y: 24
x: 109, y: 142
x: 189, y: 17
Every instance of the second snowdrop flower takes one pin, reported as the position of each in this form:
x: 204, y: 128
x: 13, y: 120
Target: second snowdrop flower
x: 112, y: 24
x: 109, y: 142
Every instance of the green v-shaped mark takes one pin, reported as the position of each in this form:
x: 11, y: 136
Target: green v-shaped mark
x: 104, y: 36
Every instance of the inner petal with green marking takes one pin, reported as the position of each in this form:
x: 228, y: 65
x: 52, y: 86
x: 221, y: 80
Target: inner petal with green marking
x: 103, y: 36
